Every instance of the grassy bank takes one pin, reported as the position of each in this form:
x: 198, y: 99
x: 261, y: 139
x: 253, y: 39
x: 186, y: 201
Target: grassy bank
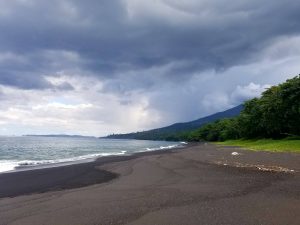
x: 265, y: 145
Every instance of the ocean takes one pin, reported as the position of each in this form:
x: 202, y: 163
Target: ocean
x: 28, y: 152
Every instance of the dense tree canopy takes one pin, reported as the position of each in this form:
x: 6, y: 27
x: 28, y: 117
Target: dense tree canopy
x: 275, y: 114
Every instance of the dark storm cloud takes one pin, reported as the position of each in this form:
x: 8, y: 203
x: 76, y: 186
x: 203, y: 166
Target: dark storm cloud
x: 24, y: 81
x: 107, y: 38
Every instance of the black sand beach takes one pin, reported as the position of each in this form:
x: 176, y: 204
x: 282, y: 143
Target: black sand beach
x: 62, y: 177
x: 201, y: 184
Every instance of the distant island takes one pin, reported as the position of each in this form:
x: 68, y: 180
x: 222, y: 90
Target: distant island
x: 58, y: 135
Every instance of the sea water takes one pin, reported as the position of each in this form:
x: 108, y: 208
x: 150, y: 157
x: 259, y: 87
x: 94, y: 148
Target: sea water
x: 36, y: 152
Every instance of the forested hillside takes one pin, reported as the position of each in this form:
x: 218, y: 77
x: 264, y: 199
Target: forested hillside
x: 178, y: 130
x: 276, y: 114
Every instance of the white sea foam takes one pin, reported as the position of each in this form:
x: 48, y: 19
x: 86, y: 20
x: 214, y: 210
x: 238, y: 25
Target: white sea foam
x: 78, y: 158
x: 7, y: 165
x: 10, y: 165
x: 164, y: 147
x: 26, y: 153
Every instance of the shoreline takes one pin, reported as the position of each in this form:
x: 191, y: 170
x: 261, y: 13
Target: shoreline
x: 62, y: 176
x: 84, y: 159
x: 81, y: 174
x: 200, y: 184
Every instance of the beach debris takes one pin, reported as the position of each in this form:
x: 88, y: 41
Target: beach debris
x: 274, y: 169
x: 265, y: 168
x: 235, y: 153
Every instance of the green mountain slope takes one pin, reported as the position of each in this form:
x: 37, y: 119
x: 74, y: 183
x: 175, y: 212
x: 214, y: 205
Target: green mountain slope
x: 168, y: 132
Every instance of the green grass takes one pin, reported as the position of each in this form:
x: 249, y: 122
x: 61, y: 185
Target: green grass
x: 283, y: 145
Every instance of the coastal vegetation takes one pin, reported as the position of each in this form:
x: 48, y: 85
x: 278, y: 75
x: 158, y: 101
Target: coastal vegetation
x: 178, y: 131
x: 271, y: 122
x: 282, y: 145
x: 275, y: 115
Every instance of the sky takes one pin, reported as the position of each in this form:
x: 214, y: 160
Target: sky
x: 100, y: 67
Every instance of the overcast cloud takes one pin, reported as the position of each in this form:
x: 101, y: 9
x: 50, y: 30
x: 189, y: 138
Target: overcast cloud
x: 98, y: 67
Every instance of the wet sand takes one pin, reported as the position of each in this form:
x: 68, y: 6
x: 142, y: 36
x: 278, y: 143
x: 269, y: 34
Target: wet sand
x: 201, y: 184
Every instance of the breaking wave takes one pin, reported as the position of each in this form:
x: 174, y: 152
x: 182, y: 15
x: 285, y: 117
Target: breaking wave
x: 167, y: 147
x: 10, y: 165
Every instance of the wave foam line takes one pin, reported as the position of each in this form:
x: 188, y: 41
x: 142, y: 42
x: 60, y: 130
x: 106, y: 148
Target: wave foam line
x: 10, y: 165
x: 165, y: 147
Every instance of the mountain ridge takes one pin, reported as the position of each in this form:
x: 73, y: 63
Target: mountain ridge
x: 164, y: 132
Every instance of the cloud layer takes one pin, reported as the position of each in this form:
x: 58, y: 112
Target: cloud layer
x: 97, y: 67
